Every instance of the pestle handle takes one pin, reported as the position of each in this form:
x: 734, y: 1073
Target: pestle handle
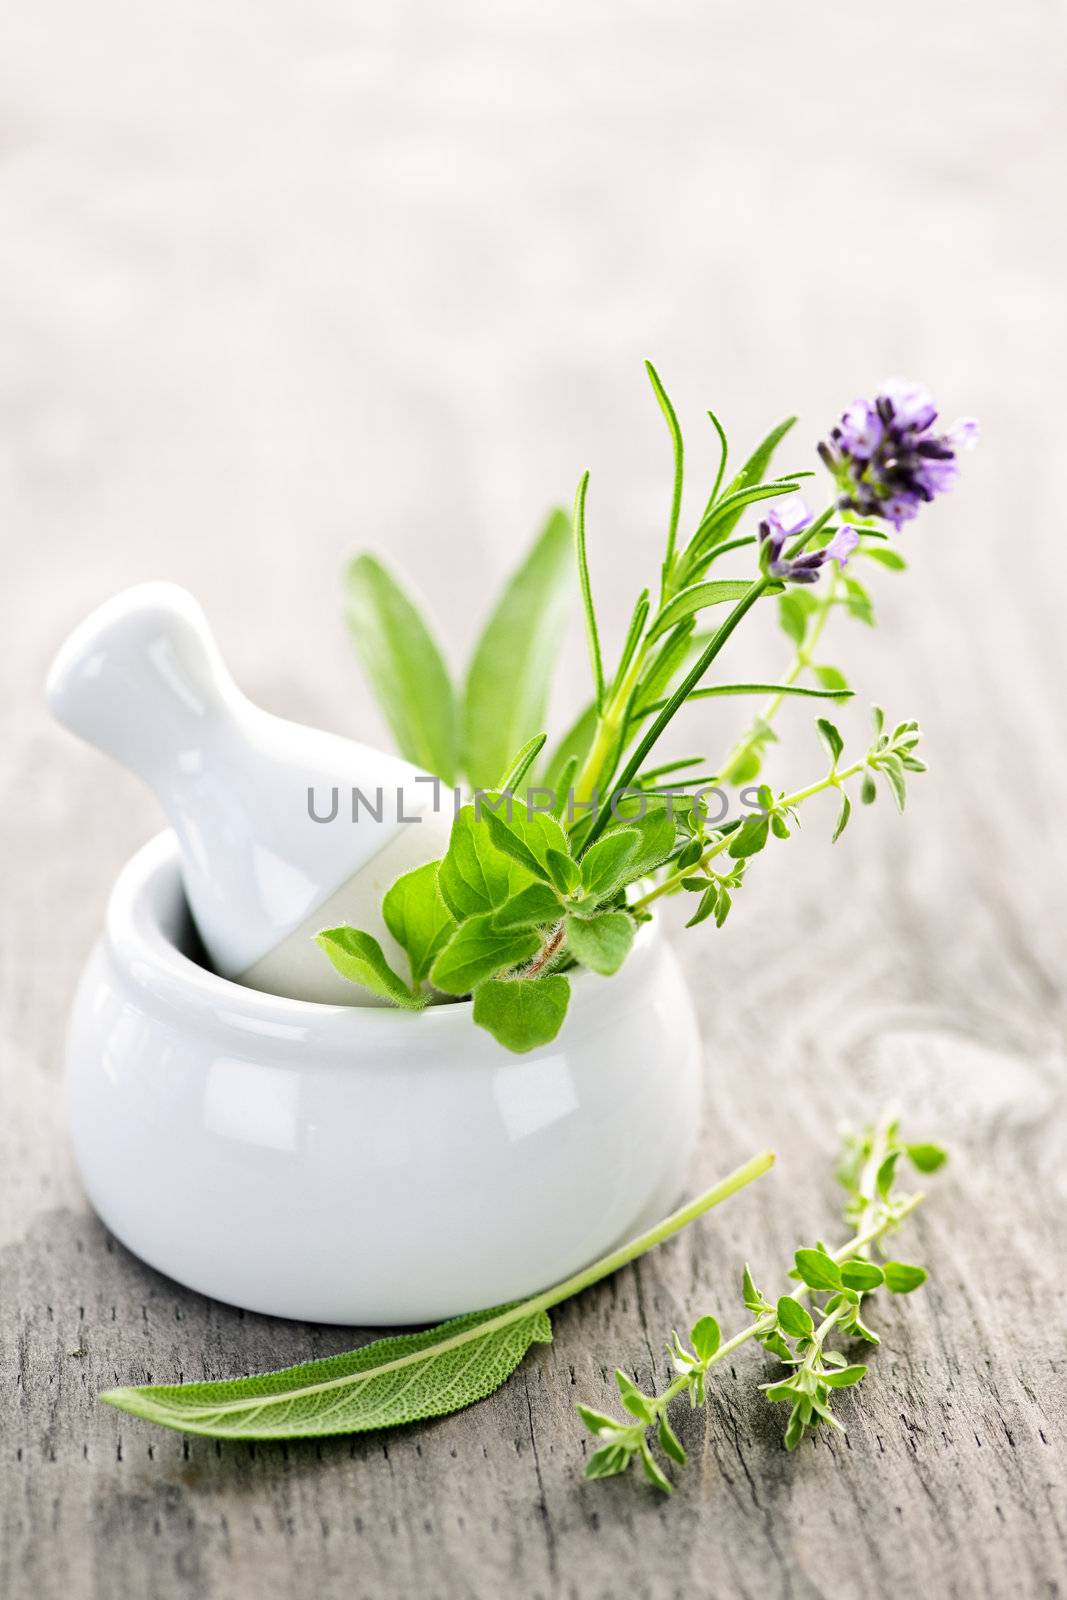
x: 140, y: 678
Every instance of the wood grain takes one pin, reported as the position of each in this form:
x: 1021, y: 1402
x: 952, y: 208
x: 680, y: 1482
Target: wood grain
x: 277, y: 283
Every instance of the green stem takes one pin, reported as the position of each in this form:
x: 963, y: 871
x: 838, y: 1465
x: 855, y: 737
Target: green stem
x: 801, y: 662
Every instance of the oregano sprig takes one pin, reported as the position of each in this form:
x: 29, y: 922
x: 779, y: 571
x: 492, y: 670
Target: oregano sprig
x: 836, y: 1281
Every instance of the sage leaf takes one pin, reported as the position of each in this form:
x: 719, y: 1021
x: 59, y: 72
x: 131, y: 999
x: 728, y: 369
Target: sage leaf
x: 360, y: 958
x: 831, y: 738
x: 418, y: 918
x: 507, y: 684
x: 404, y: 667
x: 478, y: 950
x: 386, y: 1383
x: 522, y: 1013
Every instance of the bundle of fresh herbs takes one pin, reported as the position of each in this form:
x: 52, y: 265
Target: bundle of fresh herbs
x: 555, y: 858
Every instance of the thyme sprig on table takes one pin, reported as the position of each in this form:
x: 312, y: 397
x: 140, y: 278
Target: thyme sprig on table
x: 837, y: 1282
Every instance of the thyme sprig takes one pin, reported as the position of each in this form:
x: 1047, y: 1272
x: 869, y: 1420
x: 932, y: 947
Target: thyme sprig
x: 836, y: 1282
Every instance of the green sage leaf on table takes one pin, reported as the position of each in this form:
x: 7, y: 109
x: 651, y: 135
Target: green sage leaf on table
x: 359, y: 957
x: 405, y: 1378
x: 507, y: 684
x: 405, y: 668
x: 392, y: 1381
x: 522, y: 1014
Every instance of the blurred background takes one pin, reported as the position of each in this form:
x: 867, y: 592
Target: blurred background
x: 278, y: 283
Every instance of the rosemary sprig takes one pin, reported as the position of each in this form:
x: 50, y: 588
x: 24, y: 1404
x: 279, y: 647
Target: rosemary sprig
x: 837, y: 1281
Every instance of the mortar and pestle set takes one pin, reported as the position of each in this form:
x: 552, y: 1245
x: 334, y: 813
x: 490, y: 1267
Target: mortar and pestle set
x: 257, y: 1128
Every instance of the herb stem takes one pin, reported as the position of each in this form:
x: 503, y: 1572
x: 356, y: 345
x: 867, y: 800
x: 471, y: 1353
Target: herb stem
x: 833, y: 780
x: 800, y: 663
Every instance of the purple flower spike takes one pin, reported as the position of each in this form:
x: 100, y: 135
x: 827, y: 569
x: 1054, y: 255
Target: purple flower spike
x: 791, y: 517
x: 885, y: 457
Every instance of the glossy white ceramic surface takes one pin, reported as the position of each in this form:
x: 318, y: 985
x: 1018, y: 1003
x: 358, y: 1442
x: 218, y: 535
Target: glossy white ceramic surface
x: 350, y: 1165
x: 142, y: 678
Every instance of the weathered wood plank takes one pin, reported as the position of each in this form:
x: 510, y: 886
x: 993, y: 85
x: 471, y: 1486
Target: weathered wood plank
x: 405, y: 308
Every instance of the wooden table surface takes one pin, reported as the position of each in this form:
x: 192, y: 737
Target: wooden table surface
x: 281, y: 282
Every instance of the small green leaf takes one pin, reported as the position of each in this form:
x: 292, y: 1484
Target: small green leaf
x: 596, y: 1421
x: 868, y: 789
x: 750, y: 838
x: 564, y: 871
x: 607, y: 1462
x: 653, y: 1473
x: 818, y: 1270
x: 831, y: 738
x: 751, y: 1296
x: 522, y: 763
x: 601, y: 943
x: 886, y: 1174
x: 705, y: 1336
x: 522, y: 1013
x: 793, y: 618
x: 636, y: 1403
x: 360, y: 958
x: 532, y: 907
x: 405, y: 668
x: 901, y: 1278
x: 670, y: 1443
x: 479, y: 950
x: 894, y: 776
x: 861, y: 1275
x: 844, y: 1377
x: 885, y: 556
x: 830, y: 677
x: 794, y: 1431
x: 474, y: 877
x: 509, y: 676
x: 927, y: 1157
x: 517, y: 831
x: 793, y: 1319
x: 417, y: 917
x: 603, y: 867
x: 842, y: 818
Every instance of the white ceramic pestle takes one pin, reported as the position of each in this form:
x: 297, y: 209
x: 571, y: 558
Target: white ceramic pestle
x: 142, y: 678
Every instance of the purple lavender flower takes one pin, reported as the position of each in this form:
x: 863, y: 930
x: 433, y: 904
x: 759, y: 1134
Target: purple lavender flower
x: 886, y: 458
x: 790, y: 517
